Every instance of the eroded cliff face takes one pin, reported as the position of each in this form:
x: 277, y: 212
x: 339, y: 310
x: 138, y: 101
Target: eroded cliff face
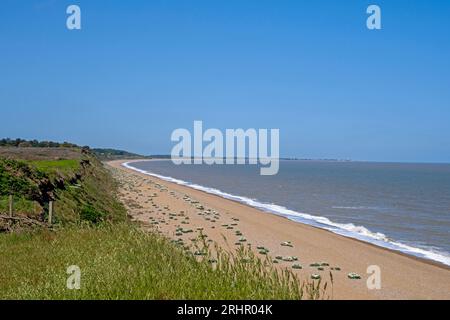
x: 80, y: 189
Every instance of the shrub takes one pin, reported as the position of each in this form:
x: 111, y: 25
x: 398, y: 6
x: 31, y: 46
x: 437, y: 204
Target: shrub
x: 89, y: 213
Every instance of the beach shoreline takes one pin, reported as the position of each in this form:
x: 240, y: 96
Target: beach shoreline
x: 261, y: 207
x: 403, y: 276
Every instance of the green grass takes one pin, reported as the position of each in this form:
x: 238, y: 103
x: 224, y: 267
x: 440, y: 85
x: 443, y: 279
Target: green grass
x: 119, y: 261
x: 21, y: 205
x: 63, y: 167
x: 96, y: 192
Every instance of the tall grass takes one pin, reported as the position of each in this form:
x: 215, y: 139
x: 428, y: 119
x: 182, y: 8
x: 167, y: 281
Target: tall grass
x: 120, y: 261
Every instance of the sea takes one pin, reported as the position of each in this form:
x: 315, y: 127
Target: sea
x: 400, y: 206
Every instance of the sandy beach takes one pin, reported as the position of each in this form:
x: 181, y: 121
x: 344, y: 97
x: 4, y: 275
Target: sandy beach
x: 167, y: 206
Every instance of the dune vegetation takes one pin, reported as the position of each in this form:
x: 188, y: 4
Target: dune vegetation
x: 120, y: 261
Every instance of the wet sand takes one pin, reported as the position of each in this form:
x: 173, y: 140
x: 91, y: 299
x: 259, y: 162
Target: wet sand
x: 167, y: 206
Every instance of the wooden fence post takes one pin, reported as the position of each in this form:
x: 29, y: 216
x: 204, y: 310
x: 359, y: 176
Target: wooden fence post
x: 50, y: 212
x: 11, y: 206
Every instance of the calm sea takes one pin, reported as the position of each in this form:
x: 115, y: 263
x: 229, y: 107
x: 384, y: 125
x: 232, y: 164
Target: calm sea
x: 405, y: 207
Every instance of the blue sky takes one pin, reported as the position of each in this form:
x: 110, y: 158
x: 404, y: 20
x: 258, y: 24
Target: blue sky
x: 139, y: 69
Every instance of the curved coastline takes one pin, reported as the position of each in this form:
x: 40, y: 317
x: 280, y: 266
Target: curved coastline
x: 349, y: 230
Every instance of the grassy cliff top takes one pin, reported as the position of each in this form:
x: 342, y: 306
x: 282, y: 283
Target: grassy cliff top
x: 38, y: 153
x: 73, y: 178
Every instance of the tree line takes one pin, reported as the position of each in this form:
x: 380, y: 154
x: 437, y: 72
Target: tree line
x: 7, y: 142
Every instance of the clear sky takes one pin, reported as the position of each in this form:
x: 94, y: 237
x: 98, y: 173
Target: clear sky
x: 139, y: 69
